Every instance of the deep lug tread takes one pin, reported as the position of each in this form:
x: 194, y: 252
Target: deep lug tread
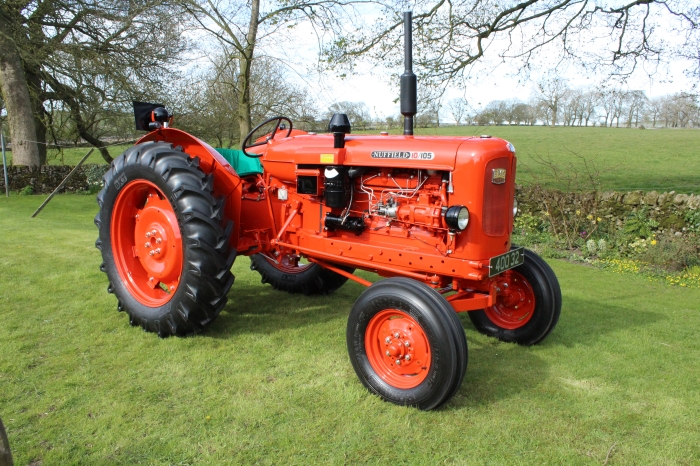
x: 206, y: 278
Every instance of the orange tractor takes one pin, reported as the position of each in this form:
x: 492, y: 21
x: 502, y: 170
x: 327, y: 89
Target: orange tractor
x: 433, y: 215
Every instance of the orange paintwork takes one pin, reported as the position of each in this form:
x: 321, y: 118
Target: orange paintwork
x: 146, y: 243
x: 397, y: 348
x: 401, y: 191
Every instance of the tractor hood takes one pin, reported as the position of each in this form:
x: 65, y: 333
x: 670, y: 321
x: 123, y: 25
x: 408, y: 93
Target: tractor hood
x: 427, y: 153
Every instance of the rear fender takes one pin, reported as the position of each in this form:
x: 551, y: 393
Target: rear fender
x: 227, y: 183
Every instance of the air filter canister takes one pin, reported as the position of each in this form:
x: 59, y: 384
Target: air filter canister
x: 335, y: 186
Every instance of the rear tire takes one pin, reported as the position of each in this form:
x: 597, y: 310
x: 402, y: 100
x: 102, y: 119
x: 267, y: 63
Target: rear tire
x: 530, y: 307
x: 424, y: 365
x: 163, y: 246
x: 309, y: 279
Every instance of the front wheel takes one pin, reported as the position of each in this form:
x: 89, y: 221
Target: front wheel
x: 528, y: 304
x: 164, y: 246
x: 406, y: 343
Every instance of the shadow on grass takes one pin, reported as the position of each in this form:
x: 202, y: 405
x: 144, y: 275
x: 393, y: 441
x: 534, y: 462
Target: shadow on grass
x: 500, y: 370
x: 258, y: 308
x: 496, y: 370
x: 584, y: 321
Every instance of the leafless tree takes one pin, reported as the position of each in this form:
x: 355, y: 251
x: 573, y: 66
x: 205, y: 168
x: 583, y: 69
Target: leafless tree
x: 635, y: 103
x: 654, y: 110
x: 242, y: 25
x: 82, y: 55
x: 451, y: 36
x: 458, y: 109
x: 551, y: 93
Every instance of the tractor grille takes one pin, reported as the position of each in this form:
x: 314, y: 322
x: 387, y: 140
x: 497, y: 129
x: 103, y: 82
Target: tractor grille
x: 497, y: 199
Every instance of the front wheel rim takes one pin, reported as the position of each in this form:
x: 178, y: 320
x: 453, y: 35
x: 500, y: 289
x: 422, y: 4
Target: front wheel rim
x: 515, y: 304
x: 398, y: 349
x: 146, y: 243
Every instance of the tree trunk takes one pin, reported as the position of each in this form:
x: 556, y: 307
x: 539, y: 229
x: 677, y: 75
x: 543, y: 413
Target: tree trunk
x: 245, y: 65
x: 34, y: 87
x: 5, y: 453
x: 13, y: 84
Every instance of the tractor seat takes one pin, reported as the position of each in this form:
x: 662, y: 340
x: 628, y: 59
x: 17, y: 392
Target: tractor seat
x: 242, y: 164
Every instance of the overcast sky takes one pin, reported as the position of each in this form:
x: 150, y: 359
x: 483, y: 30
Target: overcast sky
x: 490, y: 79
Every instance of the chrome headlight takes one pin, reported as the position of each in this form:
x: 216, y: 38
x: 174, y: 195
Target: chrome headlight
x: 457, y: 217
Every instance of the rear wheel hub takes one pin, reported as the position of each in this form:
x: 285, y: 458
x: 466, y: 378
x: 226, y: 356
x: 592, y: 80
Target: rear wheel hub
x: 147, y: 243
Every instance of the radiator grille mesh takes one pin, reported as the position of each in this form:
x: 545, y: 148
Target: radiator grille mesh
x: 496, y: 199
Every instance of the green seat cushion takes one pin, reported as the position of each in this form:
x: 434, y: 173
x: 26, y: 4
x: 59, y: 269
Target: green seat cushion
x: 240, y: 162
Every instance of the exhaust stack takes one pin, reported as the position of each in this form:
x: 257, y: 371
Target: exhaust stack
x: 408, y: 79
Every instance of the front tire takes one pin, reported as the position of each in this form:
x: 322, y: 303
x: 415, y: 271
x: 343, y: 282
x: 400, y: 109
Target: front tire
x: 406, y: 343
x: 293, y: 277
x: 163, y: 246
x: 528, y: 307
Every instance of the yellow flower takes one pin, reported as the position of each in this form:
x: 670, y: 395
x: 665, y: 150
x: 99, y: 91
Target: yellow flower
x: 589, y: 217
x: 578, y: 212
x: 599, y: 219
x: 653, y: 242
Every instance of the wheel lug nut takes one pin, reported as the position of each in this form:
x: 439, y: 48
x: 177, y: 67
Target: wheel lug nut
x: 148, y: 234
x: 407, y: 344
x: 396, y: 335
x: 157, y: 250
x: 153, y: 232
x: 387, y: 340
x: 150, y: 253
x: 398, y: 362
x: 388, y: 353
x: 158, y: 241
x: 408, y: 357
x: 148, y: 245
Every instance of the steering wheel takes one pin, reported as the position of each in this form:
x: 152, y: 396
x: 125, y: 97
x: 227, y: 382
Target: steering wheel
x: 270, y: 137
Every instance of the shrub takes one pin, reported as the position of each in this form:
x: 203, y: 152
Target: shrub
x: 26, y: 191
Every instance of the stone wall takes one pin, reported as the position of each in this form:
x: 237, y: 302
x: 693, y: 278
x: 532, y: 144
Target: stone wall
x: 45, y: 179
x: 666, y: 208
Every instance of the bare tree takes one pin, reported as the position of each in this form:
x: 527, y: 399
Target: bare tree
x: 242, y: 24
x: 450, y: 36
x: 83, y: 55
x: 635, y: 105
x: 654, y: 109
x: 552, y: 93
x: 458, y: 109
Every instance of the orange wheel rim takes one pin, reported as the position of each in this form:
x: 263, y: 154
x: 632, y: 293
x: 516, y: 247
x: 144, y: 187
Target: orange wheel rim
x: 398, y: 349
x: 515, y: 304
x: 146, y: 243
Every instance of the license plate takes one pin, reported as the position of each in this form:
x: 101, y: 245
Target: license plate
x: 506, y: 261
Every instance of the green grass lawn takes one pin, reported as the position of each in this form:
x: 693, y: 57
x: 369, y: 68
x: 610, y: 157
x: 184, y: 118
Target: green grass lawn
x: 270, y: 381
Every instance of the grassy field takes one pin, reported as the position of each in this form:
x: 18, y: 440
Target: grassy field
x: 628, y: 159
x: 270, y: 381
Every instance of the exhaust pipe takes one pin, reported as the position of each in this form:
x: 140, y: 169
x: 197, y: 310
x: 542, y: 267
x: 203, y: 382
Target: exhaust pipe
x: 408, y: 79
